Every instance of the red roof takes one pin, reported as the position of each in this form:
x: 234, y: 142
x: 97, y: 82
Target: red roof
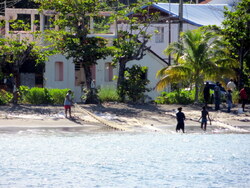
x: 205, y: 2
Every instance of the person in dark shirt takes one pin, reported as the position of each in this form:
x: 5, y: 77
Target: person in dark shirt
x: 206, y: 93
x: 217, y: 96
x: 180, y: 116
x: 204, y: 117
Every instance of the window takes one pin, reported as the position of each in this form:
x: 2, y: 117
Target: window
x: 108, y: 72
x: 59, y: 71
x: 159, y: 37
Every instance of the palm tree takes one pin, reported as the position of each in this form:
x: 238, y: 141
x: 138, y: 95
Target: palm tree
x: 199, y: 55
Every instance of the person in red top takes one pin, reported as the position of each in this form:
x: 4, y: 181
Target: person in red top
x: 243, y: 97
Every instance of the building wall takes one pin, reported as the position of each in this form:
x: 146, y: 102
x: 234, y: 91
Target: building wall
x: 154, y: 65
x: 68, y: 80
x: 158, y: 48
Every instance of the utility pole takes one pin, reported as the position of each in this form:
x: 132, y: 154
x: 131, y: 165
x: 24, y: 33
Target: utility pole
x: 180, y: 18
x: 169, y: 31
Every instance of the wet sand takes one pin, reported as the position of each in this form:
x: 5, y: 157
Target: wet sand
x: 120, y: 117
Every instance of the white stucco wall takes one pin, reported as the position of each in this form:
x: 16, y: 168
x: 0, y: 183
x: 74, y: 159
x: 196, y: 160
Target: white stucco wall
x: 100, y: 73
x: 158, y: 48
x: 68, y: 73
x: 154, y: 64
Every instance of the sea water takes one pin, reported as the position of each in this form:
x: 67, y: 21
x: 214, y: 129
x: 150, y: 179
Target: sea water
x: 45, y: 159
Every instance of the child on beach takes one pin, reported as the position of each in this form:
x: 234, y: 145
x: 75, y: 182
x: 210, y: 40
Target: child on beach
x: 68, y: 103
x: 204, y: 117
x: 180, y: 116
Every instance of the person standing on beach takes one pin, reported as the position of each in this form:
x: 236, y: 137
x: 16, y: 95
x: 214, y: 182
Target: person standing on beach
x: 68, y: 103
x: 243, y: 97
x: 180, y: 116
x: 217, y: 95
x: 231, y: 85
x: 206, y: 93
x: 204, y: 117
x: 229, y: 100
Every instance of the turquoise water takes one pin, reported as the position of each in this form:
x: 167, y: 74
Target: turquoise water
x: 47, y: 159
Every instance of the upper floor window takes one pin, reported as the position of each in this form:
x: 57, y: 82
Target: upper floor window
x: 58, y: 71
x: 159, y: 37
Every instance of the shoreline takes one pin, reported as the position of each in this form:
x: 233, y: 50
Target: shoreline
x: 110, y: 117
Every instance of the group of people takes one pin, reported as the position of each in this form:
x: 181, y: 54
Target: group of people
x: 231, y: 87
x: 180, y: 116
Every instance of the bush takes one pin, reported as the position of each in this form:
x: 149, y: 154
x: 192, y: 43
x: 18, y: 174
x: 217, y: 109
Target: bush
x: 58, y: 95
x: 5, y: 97
x: 108, y: 93
x: 176, y: 97
x: 37, y: 95
x: 235, y: 97
x: 135, y: 83
x: 23, y: 90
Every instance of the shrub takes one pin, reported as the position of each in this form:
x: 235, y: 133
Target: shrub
x: 23, y: 90
x: 108, y: 93
x: 5, y: 97
x: 176, y: 97
x: 135, y: 83
x: 235, y: 97
x: 37, y: 95
x: 58, y: 95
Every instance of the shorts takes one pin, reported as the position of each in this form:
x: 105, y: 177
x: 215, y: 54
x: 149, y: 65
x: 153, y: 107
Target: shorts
x: 204, y: 120
x: 67, y: 107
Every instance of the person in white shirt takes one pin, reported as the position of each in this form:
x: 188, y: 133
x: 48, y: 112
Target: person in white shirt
x: 231, y: 85
x: 68, y: 103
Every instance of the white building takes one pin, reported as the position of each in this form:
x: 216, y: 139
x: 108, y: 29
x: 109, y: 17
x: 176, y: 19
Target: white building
x: 62, y: 73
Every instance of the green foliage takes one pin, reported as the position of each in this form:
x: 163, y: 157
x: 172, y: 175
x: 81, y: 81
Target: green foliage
x: 5, y: 97
x: 18, y: 51
x: 108, y: 93
x: 235, y: 97
x: 71, y: 38
x: 23, y: 90
x: 131, y: 42
x: 37, y: 95
x: 58, y: 95
x: 176, y: 97
x: 200, y: 55
x: 236, y: 32
x: 135, y: 83
x: 90, y: 96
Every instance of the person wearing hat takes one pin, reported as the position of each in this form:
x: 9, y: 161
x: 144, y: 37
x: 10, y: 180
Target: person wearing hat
x: 68, y: 103
x: 180, y: 116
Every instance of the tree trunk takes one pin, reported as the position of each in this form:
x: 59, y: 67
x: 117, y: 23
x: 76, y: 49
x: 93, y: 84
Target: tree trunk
x: 87, y: 75
x: 120, y: 81
x: 92, y: 95
x: 240, y: 82
x: 196, y: 92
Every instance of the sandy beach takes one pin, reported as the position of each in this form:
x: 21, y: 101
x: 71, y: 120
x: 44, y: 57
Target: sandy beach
x: 120, y: 117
